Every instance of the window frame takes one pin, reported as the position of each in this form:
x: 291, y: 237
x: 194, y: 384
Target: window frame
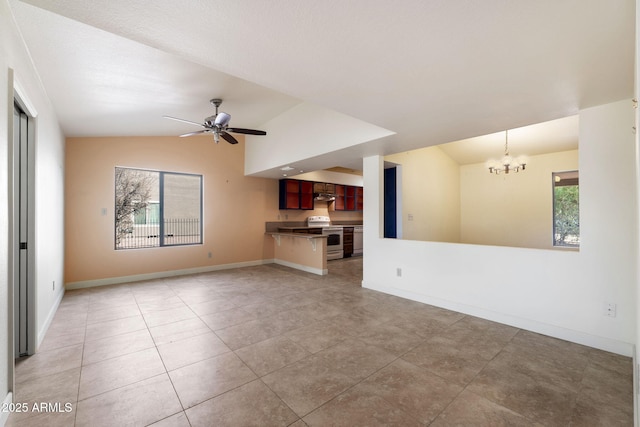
x: 159, y: 203
x: 573, y: 177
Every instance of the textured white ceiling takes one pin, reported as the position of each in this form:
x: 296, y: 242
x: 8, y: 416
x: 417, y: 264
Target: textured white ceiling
x: 429, y: 71
x: 102, y: 84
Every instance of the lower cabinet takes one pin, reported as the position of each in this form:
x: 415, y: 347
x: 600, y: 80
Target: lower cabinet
x: 347, y: 241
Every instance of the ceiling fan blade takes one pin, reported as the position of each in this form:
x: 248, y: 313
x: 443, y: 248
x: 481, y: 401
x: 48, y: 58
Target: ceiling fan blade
x: 198, y: 132
x: 230, y: 139
x: 246, y: 131
x: 222, y: 119
x: 183, y: 120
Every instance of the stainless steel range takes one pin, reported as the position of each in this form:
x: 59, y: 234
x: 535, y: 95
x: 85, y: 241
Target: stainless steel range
x: 333, y: 233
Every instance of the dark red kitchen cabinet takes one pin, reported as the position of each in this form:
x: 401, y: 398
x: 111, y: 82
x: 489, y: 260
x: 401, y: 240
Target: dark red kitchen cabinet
x: 359, y: 199
x: 296, y: 194
x: 348, y: 198
x: 338, y: 203
x: 306, y: 195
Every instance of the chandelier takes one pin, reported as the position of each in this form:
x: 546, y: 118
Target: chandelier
x: 507, y: 163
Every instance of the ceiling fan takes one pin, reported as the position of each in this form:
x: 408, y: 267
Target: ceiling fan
x: 218, y: 125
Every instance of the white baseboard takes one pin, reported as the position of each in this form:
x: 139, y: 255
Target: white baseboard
x: 578, y: 337
x: 4, y: 416
x: 161, y: 274
x: 318, y: 271
x: 636, y: 408
x: 52, y: 312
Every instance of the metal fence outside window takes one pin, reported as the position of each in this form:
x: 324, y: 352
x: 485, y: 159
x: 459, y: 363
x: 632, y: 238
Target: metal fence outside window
x: 176, y: 231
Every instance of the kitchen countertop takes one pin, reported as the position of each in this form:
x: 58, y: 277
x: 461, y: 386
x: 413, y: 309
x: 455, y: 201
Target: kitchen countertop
x: 273, y: 226
x: 291, y: 234
x: 315, y: 228
x: 296, y: 228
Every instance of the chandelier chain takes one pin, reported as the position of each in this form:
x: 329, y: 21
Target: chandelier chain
x: 506, y: 142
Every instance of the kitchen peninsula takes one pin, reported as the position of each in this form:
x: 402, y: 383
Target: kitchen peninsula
x: 308, y: 248
x: 300, y: 250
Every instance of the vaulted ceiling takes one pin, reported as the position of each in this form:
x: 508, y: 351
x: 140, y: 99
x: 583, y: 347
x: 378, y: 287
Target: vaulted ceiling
x: 428, y: 71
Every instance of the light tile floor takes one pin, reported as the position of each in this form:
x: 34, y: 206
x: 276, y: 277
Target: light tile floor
x: 271, y: 346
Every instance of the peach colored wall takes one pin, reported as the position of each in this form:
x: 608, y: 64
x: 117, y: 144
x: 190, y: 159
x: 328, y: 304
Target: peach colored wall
x: 235, y: 206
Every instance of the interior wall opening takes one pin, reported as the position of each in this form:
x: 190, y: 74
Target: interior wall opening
x: 450, y: 194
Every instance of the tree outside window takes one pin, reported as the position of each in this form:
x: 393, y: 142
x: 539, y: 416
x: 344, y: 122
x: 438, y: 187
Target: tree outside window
x: 133, y: 194
x: 566, y: 209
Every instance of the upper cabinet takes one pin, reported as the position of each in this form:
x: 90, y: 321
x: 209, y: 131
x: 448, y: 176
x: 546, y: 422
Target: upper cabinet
x: 359, y: 198
x: 348, y: 198
x: 296, y: 194
x: 324, y: 188
x: 338, y: 203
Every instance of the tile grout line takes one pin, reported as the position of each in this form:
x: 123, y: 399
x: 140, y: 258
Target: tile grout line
x: 475, y: 376
x: 166, y: 371
x: 75, y: 415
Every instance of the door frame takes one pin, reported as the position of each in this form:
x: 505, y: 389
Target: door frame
x: 20, y: 97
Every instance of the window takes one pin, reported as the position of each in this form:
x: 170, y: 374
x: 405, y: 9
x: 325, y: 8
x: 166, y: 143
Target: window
x: 566, y: 209
x: 154, y: 208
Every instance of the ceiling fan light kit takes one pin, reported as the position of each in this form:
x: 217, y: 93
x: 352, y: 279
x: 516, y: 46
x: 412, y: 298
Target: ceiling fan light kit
x: 507, y: 163
x: 218, y: 125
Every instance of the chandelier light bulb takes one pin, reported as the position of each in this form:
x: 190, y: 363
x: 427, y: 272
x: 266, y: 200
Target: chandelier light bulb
x: 523, y: 160
x: 492, y: 164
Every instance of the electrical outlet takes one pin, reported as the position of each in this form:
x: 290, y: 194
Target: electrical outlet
x: 209, y: 254
x: 610, y: 309
x: 410, y: 217
x: 399, y: 272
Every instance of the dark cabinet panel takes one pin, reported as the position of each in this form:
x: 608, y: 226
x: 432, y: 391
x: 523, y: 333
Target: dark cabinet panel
x: 348, y: 198
x: 347, y: 241
x: 359, y: 198
x: 291, y: 195
x: 306, y: 195
x: 296, y: 194
x: 339, y: 201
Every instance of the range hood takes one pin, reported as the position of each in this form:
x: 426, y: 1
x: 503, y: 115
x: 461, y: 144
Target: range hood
x: 324, y: 197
